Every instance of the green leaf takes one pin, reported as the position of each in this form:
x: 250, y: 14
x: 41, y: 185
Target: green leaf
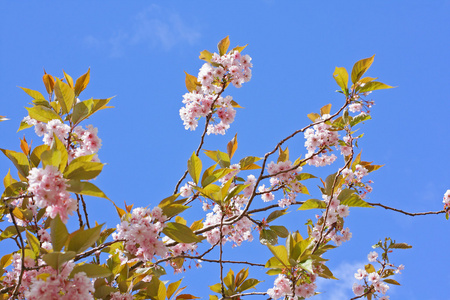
x: 325, y: 110
x: 276, y: 214
x: 235, y: 191
x: 64, y: 95
x: 191, y: 82
x: 326, y: 273
x: 374, y: 85
x: 369, y: 268
x: 23, y: 125
x: 359, y: 118
x: 355, y: 201
x: 181, y: 233
x: 341, y: 77
x: 34, y: 243
x: 19, y: 160
x: 312, y: 204
x: 281, y: 231
x: 195, y: 167
x: 280, y: 253
x: 304, y: 176
x: 10, y: 231
x: 400, y: 246
x: 57, y: 144
x: 81, y: 239
x: 239, y: 48
x: 8, y: 180
x: 248, y: 163
x: 172, y: 288
x: 58, y: 233
x: 35, y: 156
x: 232, y: 146
x: 156, y: 290
x: 51, y: 157
x: 42, y: 113
x: 34, y: 94
x: 268, y: 237
x: 361, y: 67
x: 57, y: 259
x: 91, y: 270
x: 391, y: 281
x: 313, y: 116
x: 173, y: 209
x: 223, y: 46
x: 249, y: 284
x: 205, y: 55
x: 82, y: 170
x: 82, y: 110
x: 85, y: 188
x: 217, y: 288
x: 82, y: 82
x: 216, y: 175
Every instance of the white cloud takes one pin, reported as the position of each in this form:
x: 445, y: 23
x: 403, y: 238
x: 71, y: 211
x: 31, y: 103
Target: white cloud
x: 153, y: 27
x: 342, y: 288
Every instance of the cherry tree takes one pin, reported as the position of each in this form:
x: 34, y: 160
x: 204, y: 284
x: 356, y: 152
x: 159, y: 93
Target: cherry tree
x: 243, y: 199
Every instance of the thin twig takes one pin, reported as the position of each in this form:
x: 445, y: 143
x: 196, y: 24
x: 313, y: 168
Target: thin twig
x: 22, y: 269
x: 408, y: 213
x: 85, y: 211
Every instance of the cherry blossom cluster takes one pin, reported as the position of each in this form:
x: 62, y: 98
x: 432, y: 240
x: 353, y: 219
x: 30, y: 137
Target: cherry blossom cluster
x: 83, y: 141
x: 331, y: 222
x: 283, y: 287
x: 354, y: 180
x: 47, y: 283
x: 285, y: 178
x: 179, y: 249
x: 141, y: 230
x: 373, y: 281
x: 47, y: 130
x: 87, y: 141
x: 320, y: 137
x: 213, y: 78
x: 446, y: 201
x: 236, y: 233
x: 48, y: 187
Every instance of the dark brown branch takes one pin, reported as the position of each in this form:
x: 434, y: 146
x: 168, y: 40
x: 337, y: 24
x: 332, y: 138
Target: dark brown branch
x: 408, y: 213
x: 85, y: 211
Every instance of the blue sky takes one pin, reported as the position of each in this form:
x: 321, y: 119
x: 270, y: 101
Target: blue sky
x: 138, y: 50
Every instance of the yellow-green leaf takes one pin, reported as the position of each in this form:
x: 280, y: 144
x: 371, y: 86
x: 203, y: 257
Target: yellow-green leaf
x: 312, y: 204
x: 341, y: 77
x: 325, y: 110
x: 19, y: 160
x: 223, y: 46
x: 91, y: 270
x: 313, y: 117
x: 82, y: 82
x: 84, y: 239
x: 83, y: 170
x: 205, y: 55
x: 58, y: 233
x: 42, y: 113
x: 191, y: 82
x: 64, y: 95
x: 57, y: 259
x: 361, y: 67
x: 374, y: 85
x: 34, y: 94
x: 181, y: 233
x: 195, y: 167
